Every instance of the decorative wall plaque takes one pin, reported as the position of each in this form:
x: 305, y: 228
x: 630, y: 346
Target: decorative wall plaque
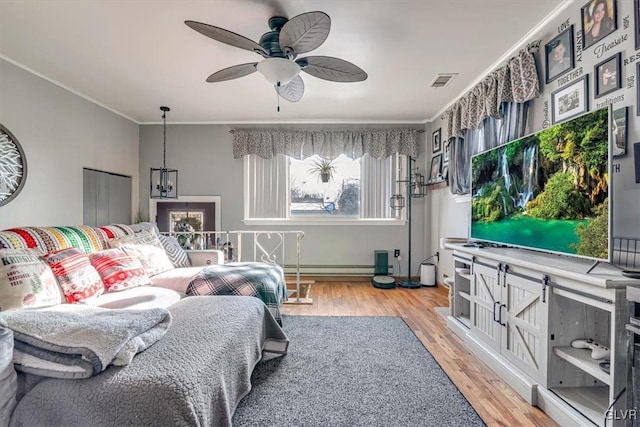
x: 13, y: 166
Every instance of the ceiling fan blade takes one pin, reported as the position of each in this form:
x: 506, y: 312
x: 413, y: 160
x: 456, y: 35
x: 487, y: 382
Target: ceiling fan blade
x: 227, y: 37
x: 292, y: 91
x: 332, y: 69
x: 304, y: 32
x: 234, y: 72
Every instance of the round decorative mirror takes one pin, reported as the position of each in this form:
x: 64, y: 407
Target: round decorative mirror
x: 13, y: 166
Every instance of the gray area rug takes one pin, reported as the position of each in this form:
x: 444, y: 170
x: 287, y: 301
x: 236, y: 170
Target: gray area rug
x: 353, y: 371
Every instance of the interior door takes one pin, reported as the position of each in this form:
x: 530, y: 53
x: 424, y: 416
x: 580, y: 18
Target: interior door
x: 485, y: 304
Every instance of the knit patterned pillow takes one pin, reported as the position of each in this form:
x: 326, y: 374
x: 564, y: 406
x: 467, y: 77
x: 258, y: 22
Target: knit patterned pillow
x: 118, y: 270
x: 26, y: 281
x: 77, y: 278
x: 147, y: 247
x: 176, y: 254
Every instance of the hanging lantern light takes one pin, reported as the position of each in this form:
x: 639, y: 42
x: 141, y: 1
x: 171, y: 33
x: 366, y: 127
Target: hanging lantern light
x: 164, y: 182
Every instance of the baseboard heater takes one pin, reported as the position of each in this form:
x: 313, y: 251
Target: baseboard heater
x: 333, y: 270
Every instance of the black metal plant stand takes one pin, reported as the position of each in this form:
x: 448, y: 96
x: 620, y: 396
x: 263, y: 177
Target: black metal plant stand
x: 416, y: 188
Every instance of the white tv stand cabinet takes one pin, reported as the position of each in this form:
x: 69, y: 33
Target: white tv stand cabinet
x: 519, y: 311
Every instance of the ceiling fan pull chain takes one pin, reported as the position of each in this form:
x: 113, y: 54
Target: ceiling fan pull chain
x: 278, y: 98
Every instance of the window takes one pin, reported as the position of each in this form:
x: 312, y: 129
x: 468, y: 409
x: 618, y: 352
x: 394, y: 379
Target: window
x: 336, y: 192
x: 284, y: 188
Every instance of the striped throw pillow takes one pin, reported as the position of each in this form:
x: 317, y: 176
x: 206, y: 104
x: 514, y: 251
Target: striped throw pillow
x: 77, y: 278
x: 176, y: 254
x: 147, y: 247
x: 118, y: 270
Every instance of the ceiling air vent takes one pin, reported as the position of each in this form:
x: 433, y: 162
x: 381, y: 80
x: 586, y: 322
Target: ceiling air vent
x: 442, y: 79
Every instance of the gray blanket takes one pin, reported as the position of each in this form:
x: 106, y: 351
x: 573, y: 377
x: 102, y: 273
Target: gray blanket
x: 77, y: 341
x: 194, y: 376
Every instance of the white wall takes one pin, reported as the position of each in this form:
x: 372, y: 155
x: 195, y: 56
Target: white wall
x: 204, y: 158
x: 60, y: 134
x: 452, y: 219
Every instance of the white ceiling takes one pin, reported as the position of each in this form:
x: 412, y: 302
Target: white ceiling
x: 133, y: 56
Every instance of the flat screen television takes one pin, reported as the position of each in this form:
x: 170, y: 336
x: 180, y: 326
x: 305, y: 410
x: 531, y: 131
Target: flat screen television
x: 548, y: 191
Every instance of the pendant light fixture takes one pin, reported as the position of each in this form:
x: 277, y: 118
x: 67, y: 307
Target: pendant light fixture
x: 163, y: 181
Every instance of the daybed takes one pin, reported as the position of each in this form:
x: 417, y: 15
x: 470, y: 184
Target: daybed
x: 194, y: 375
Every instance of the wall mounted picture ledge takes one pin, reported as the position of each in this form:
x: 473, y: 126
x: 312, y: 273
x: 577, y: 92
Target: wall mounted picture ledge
x: 13, y: 166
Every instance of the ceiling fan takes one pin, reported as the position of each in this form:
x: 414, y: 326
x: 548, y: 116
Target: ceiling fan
x: 280, y: 48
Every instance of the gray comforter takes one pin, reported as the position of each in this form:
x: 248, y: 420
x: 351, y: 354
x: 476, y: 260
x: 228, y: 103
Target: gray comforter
x: 194, y: 376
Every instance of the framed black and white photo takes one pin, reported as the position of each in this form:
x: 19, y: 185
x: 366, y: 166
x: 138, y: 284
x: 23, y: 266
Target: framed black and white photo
x: 445, y: 171
x: 436, y: 163
x: 636, y: 13
x: 447, y: 147
x: 436, y: 140
x: 619, y: 131
x: 607, y: 76
x: 570, y: 100
x: 558, y: 55
x: 599, y: 19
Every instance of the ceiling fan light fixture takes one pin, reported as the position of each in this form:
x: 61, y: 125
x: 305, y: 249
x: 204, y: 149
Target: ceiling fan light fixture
x: 278, y: 70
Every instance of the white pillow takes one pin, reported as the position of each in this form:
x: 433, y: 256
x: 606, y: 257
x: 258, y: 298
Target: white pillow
x: 8, y: 377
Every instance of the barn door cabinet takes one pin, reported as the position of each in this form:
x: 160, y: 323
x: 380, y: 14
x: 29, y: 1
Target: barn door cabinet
x: 519, y: 311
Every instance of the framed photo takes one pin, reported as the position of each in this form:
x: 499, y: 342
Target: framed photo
x: 636, y: 13
x: 445, y: 171
x: 607, y: 76
x: 436, y: 162
x: 570, y: 100
x: 447, y: 147
x: 619, y: 130
x: 638, y: 86
x: 599, y: 19
x: 436, y: 140
x: 559, y: 55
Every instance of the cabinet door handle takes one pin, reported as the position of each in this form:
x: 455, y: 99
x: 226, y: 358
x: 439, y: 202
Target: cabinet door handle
x: 494, y: 311
x: 500, y: 314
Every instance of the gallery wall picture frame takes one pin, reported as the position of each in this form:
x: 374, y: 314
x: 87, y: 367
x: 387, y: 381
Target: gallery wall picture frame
x: 445, y: 152
x: 436, y: 164
x: 636, y: 14
x: 559, y: 57
x: 445, y: 171
x: 607, y: 75
x: 570, y: 100
x: 436, y: 140
x: 638, y: 89
x: 619, y: 129
x: 599, y: 18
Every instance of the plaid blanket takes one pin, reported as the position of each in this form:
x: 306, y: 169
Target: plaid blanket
x: 255, y: 279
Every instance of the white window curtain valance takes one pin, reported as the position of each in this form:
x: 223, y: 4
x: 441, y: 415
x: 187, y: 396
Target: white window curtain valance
x: 329, y: 144
x: 517, y: 81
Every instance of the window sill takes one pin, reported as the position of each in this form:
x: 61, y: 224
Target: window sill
x: 322, y: 221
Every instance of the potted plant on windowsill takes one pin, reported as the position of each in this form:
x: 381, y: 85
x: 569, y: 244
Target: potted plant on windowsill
x: 323, y: 168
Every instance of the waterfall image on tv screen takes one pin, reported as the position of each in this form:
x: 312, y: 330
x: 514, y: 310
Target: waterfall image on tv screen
x: 547, y: 191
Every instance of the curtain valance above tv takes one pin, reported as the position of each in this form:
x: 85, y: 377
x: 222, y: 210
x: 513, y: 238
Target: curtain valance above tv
x: 516, y: 81
x: 300, y: 144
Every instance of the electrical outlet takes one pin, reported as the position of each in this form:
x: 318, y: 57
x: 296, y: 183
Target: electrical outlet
x: 396, y: 253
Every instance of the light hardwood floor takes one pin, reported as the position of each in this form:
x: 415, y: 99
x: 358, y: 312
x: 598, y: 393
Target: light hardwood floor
x: 496, y: 403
